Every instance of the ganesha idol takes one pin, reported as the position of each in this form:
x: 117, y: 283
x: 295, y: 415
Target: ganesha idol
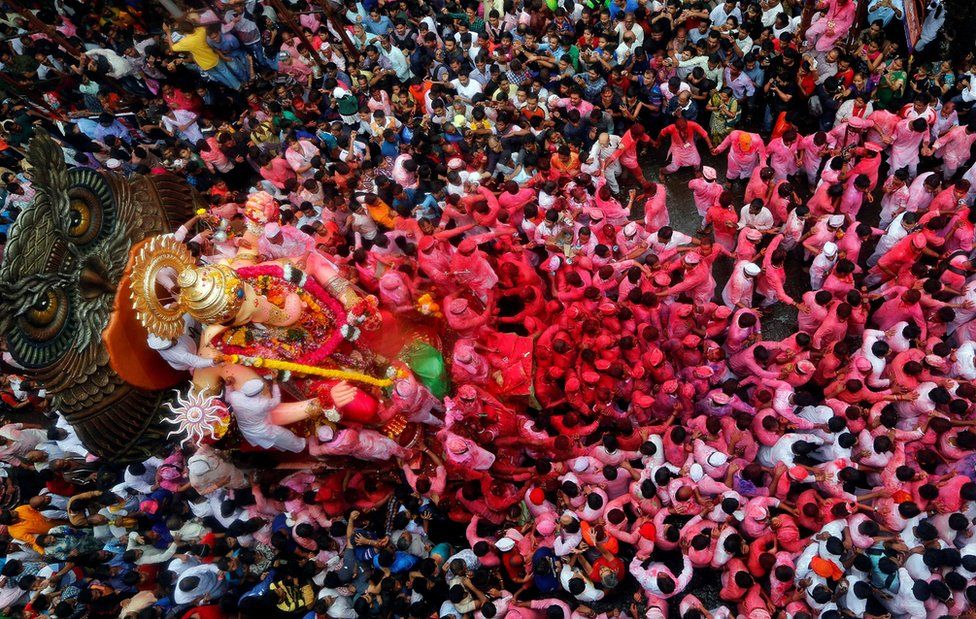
x: 287, y: 349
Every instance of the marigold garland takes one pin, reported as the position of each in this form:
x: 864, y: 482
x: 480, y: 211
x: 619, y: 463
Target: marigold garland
x: 299, y: 368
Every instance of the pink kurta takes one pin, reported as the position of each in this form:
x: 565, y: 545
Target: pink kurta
x: 904, y: 146
x: 782, y: 158
x: 812, y: 155
x: 683, y: 151
x: 705, y: 193
x: 954, y: 148
x: 884, y: 124
x: 742, y: 163
x: 656, y: 214
x: 894, y: 201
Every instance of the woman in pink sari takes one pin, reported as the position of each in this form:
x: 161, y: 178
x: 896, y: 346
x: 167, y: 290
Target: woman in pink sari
x: 836, y: 19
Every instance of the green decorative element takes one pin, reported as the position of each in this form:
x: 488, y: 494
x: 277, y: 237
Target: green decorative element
x: 427, y: 364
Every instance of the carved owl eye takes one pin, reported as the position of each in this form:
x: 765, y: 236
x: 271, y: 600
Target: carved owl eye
x: 91, y: 207
x: 44, y: 332
x: 46, y: 317
x: 85, y: 216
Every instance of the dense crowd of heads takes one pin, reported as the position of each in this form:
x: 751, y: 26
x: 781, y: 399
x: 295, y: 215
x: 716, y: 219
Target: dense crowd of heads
x: 751, y: 382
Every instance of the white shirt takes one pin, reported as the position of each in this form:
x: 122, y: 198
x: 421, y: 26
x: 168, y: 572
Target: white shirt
x: 964, y: 367
x: 589, y: 594
x: 636, y: 29
x: 400, y: 64
x: 763, y: 220
x: 184, y: 123
x: 468, y: 91
x: 719, y: 16
x: 904, y: 601
x: 782, y: 450
x: 341, y: 606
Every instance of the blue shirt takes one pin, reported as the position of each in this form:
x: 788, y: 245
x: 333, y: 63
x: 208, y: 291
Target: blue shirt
x: 876, y: 11
x: 96, y: 131
x: 428, y: 209
x: 390, y: 149
x: 402, y: 562
x: 544, y: 574
x: 615, y: 10
x: 379, y: 28
x: 756, y: 74
x: 261, y: 588
x: 328, y: 139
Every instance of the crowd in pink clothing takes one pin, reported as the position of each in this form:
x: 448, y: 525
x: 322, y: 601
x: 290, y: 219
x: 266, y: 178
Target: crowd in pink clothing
x: 764, y: 413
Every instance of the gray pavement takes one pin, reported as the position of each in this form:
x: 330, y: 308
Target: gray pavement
x: 780, y: 321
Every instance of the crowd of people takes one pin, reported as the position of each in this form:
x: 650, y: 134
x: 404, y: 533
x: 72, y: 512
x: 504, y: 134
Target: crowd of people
x: 491, y: 167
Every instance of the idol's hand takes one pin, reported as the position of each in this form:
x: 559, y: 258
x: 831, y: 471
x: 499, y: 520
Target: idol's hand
x: 342, y: 393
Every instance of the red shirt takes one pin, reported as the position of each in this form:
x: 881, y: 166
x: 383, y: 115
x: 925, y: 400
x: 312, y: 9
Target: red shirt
x: 616, y: 566
x: 205, y: 612
x: 847, y: 77
x: 515, y: 571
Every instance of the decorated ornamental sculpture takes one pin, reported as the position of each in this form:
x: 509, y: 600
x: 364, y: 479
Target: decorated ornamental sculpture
x: 290, y: 347
x: 62, y: 315
x: 140, y: 344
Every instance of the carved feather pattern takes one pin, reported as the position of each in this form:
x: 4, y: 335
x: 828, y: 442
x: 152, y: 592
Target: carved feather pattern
x: 114, y: 420
x: 50, y: 176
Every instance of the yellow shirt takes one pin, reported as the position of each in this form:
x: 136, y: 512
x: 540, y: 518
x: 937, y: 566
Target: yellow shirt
x: 30, y: 524
x: 483, y: 125
x: 293, y: 598
x: 196, y: 45
x: 381, y: 214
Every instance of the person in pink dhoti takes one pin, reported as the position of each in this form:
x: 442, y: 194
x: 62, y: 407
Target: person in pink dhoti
x: 813, y: 148
x: 948, y: 202
x: 610, y: 209
x: 954, y: 147
x: 909, y: 135
x: 869, y: 162
x: 514, y: 198
x: 770, y: 283
x: 738, y: 291
x: 462, y: 317
x: 705, y: 189
x: 746, y: 152
x: 695, y: 279
x: 415, y: 401
x: 724, y: 220
x: 656, y: 214
x: 856, y: 192
x: 683, y: 151
x: 836, y: 19
x: 882, y: 126
x: 922, y: 191
x: 784, y: 156
x: 782, y: 198
x: 760, y: 186
x: 626, y: 153
x: 826, y: 199
x: 362, y: 443
x: 850, y: 133
x: 470, y: 267
x: 468, y: 365
x: 465, y: 454
x: 395, y: 293
x: 895, y: 198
